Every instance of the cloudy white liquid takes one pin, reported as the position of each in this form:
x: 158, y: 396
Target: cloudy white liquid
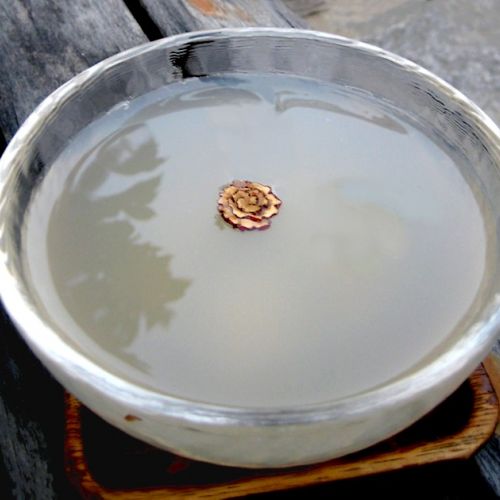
x: 376, y: 255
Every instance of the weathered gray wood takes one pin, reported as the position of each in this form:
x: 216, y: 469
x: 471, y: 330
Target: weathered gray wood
x: 488, y: 461
x: 306, y: 7
x: 44, y: 43
x: 179, y: 16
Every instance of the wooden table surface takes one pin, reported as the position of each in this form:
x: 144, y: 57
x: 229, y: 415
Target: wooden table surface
x: 43, y: 43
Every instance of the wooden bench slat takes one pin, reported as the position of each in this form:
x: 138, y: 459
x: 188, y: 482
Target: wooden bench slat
x: 179, y: 16
x: 44, y: 43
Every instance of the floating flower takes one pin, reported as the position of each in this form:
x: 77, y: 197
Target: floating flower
x: 248, y: 205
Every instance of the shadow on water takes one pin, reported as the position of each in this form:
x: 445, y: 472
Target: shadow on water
x: 113, y: 284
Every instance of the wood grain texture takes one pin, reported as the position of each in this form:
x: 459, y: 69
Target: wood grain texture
x: 30, y: 417
x: 44, y: 43
x: 488, y: 457
x: 178, y: 16
x: 423, y: 444
x: 306, y: 7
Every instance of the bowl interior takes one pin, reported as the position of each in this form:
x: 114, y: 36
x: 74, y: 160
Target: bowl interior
x: 444, y: 117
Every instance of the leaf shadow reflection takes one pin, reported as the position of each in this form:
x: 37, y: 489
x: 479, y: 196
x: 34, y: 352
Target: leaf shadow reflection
x: 112, y: 282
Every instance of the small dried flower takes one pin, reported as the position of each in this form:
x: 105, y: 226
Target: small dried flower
x: 248, y: 205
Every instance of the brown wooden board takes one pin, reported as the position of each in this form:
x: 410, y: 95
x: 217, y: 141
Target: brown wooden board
x: 488, y: 457
x: 103, y: 462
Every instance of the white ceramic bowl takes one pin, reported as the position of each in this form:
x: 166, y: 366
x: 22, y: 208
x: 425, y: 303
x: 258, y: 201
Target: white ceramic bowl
x: 230, y: 435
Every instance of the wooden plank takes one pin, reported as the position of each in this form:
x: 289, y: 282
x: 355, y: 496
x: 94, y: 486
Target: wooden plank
x: 488, y: 458
x: 44, y: 43
x: 306, y: 7
x: 178, y: 16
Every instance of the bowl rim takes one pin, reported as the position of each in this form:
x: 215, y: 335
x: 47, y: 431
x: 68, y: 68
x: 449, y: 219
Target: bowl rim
x: 48, y: 345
